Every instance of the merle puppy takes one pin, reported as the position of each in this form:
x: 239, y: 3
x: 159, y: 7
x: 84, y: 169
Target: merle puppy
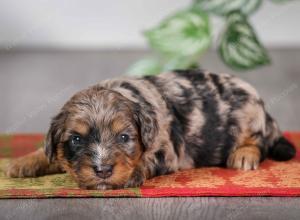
x: 123, y: 131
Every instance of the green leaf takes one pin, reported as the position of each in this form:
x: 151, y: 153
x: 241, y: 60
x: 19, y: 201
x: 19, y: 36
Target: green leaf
x: 186, y: 33
x: 239, y: 47
x: 223, y: 7
x: 148, y: 66
x: 177, y: 63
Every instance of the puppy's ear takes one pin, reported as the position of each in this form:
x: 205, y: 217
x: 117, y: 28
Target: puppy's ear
x: 147, y: 123
x: 54, y: 134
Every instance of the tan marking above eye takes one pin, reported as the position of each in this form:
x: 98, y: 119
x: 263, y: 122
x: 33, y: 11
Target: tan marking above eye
x: 118, y: 125
x: 79, y: 127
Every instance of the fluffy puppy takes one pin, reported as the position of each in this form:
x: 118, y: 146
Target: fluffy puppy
x: 120, y: 132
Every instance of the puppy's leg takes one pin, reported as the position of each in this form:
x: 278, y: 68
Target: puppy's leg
x: 245, y: 157
x: 32, y: 165
x: 137, y: 177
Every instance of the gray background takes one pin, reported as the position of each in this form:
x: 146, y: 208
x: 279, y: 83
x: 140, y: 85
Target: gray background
x: 119, y: 24
x: 34, y: 84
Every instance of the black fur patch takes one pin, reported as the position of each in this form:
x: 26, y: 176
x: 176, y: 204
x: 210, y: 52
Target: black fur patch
x: 240, y: 97
x: 235, y: 97
x: 133, y: 89
x: 214, y: 135
x: 180, y: 110
x: 282, y: 150
x: 160, y: 167
x: 94, y: 135
x: 176, y: 136
x: 194, y: 76
x: 137, y: 94
x: 232, y: 128
x: 70, y: 153
x: 54, y: 134
x: 216, y: 80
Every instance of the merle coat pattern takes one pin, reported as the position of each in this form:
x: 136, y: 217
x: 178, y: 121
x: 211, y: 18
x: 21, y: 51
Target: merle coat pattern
x: 122, y: 131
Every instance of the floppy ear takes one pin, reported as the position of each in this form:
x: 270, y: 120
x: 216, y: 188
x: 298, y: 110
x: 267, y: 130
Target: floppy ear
x: 54, y: 134
x: 147, y: 123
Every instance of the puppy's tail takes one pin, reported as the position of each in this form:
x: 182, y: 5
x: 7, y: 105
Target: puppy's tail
x: 279, y: 148
x: 282, y: 150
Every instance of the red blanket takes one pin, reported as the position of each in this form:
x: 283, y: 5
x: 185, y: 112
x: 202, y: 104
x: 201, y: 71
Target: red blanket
x: 271, y: 179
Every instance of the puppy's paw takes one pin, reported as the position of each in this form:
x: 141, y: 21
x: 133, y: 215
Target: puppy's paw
x: 31, y: 165
x: 244, y: 158
x: 22, y: 168
x: 137, y: 179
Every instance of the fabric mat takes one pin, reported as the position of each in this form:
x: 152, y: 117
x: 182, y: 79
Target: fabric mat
x: 271, y: 179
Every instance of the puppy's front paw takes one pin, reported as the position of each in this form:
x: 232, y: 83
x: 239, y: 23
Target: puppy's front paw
x: 245, y: 158
x: 137, y: 179
x: 31, y: 165
x: 21, y: 167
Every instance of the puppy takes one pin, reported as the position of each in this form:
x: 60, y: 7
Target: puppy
x: 120, y: 132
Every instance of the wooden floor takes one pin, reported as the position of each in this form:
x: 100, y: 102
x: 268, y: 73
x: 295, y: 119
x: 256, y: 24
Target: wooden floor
x: 34, y: 84
x: 154, y: 208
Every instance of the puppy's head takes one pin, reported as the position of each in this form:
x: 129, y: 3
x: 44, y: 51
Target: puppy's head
x: 98, y: 138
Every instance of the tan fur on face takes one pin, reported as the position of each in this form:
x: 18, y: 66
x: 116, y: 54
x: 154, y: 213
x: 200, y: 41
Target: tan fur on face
x: 86, y: 177
x: 118, y: 124
x: 66, y: 166
x: 102, y: 114
x: 122, y: 170
x: 78, y: 126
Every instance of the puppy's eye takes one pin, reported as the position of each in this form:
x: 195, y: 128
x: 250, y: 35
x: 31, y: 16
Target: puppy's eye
x: 123, y: 138
x: 76, y: 140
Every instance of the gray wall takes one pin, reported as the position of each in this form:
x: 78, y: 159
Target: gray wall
x: 119, y: 23
x: 35, y: 84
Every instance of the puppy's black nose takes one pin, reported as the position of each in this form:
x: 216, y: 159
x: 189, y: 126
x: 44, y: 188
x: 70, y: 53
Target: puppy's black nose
x: 103, y: 171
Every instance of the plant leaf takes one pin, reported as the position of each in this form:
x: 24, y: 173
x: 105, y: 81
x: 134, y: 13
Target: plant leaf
x: 223, y: 7
x: 147, y: 66
x: 177, y: 63
x: 239, y: 47
x: 185, y: 33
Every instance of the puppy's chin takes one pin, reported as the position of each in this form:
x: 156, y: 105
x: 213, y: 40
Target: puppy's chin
x: 104, y: 186
x: 86, y: 177
x: 96, y: 183
x: 100, y: 186
x: 89, y: 180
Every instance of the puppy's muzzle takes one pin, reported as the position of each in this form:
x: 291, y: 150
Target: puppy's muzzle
x: 103, y: 171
